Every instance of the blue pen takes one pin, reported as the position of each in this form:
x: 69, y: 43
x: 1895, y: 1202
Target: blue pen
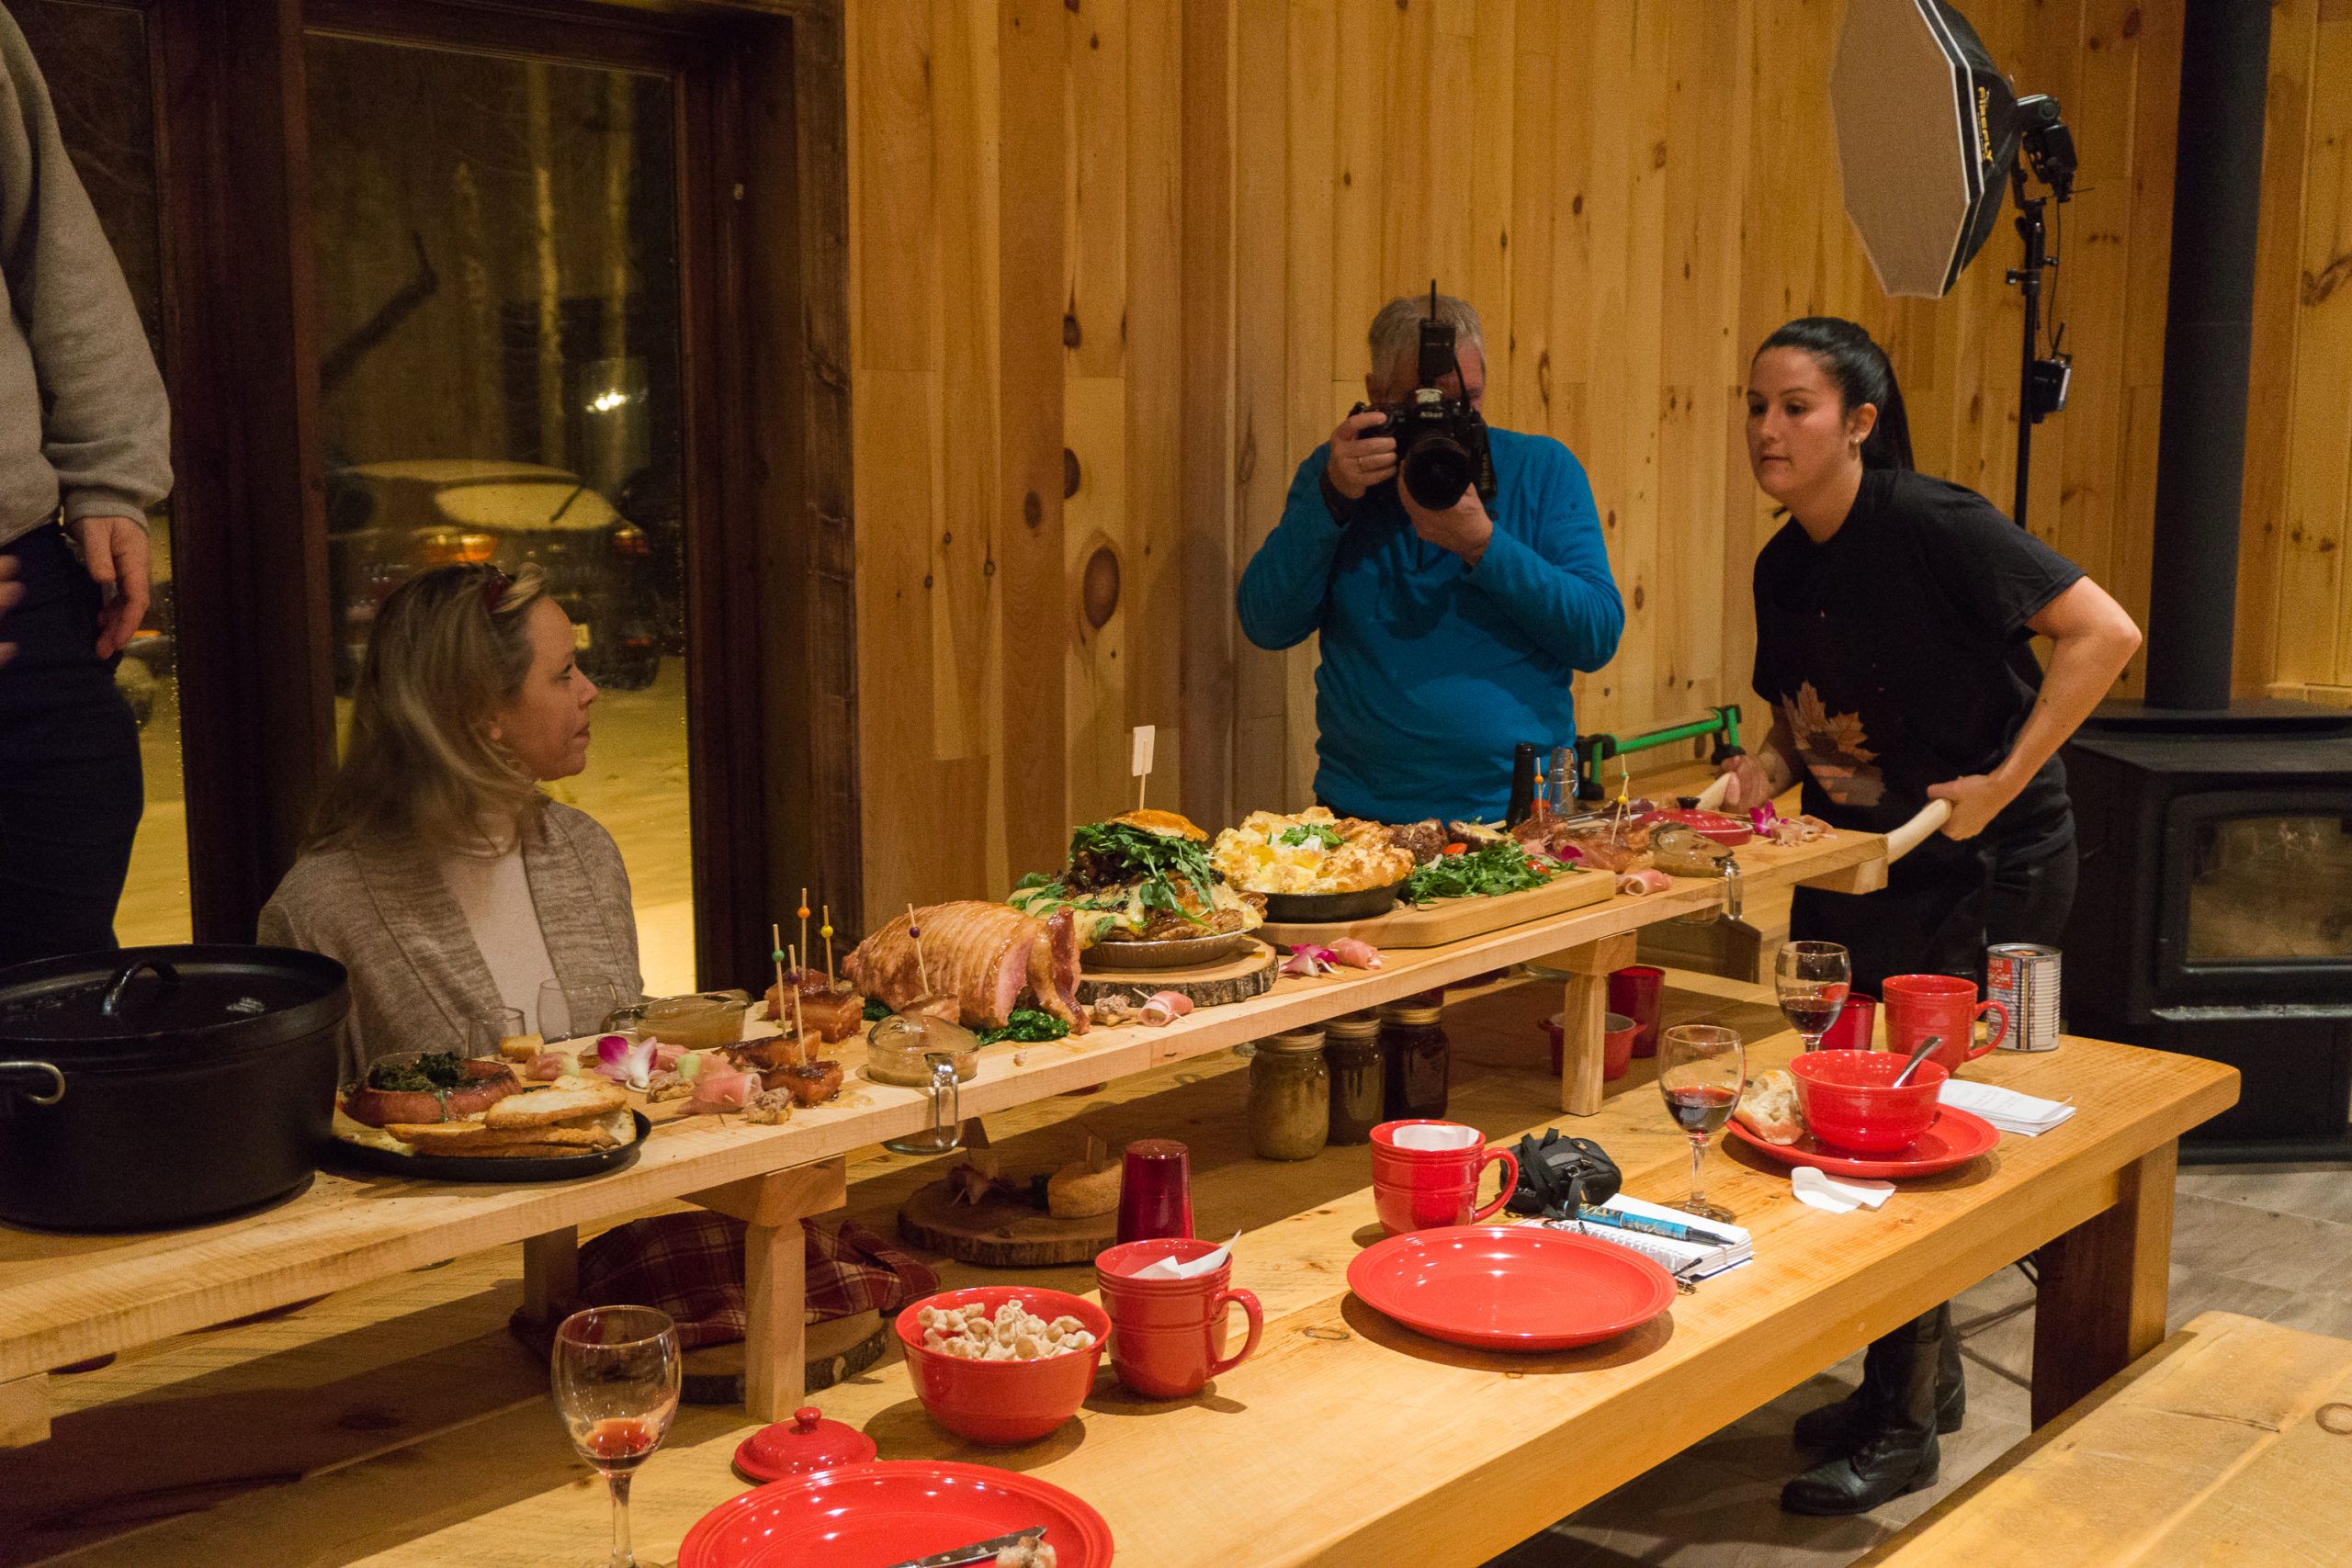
x: 1618, y: 1219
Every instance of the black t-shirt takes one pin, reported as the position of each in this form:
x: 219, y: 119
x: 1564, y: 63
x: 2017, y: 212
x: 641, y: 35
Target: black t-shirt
x: 1898, y: 653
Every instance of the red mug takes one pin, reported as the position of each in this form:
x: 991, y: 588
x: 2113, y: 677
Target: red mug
x: 1168, y: 1336
x: 1618, y: 1033
x: 1921, y: 1005
x: 1419, y: 1189
x: 1850, y: 1030
x: 1634, y: 993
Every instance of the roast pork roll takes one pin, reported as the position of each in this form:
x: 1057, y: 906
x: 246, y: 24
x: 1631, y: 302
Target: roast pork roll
x: 984, y: 955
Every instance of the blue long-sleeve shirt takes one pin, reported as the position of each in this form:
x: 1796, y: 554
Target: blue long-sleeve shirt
x: 1433, y: 671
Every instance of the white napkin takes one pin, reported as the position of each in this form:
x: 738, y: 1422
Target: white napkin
x: 1837, y: 1194
x: 1169, y: 1268
x: 2005, y: 1108
x: 1439, y: 1136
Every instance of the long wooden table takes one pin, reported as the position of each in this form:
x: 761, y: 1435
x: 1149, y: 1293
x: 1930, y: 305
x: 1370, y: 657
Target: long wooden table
x: 66, y: 1298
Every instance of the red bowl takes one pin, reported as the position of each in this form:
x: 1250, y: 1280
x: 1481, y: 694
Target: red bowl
x: 1848, y: 1098
x: 1004, y: 1402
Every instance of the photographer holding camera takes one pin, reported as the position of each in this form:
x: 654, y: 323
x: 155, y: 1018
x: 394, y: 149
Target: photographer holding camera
x: 1457, y: 574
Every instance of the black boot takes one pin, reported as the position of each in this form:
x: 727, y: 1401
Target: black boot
x: 1899, y: 1452
x: 1839, y: 1428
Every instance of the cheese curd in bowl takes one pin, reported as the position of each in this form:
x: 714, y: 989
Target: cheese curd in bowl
x: 1312, y: 851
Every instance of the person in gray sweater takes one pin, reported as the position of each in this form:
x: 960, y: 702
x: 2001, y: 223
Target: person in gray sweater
x: 85, y: 451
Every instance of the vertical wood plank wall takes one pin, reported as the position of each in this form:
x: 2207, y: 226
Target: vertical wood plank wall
x: 1633, y: 193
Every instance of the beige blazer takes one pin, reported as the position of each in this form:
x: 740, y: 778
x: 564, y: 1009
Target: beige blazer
x: 416, y: 975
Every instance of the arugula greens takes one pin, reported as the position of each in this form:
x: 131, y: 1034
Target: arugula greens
x: 876, y: 1009
x: 1500, y: 867
x: 1026, y: 1025
x: 1157, y: 859
x: 1306, y: 832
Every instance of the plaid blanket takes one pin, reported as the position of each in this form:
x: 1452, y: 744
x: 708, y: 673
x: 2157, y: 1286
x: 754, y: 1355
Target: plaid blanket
x: 691, y: 1265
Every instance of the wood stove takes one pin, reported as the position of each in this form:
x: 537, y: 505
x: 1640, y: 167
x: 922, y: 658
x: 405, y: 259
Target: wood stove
x: 2214, y: 916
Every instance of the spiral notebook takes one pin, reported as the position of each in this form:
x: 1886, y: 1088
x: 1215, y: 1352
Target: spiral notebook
x: 1683, y: 1260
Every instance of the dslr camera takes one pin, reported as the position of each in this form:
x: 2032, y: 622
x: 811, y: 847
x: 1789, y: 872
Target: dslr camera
x: 1440, y: 441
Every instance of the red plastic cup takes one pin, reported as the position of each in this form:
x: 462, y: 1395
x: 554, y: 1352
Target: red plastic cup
x: 1633, y: 993
x: 1850, y: 1100
x: 1155, y: 1191
x: 1168, y: 1336
x: 1418, y: 1189
x: 1853, y: 1028
x: 1921, y: 1005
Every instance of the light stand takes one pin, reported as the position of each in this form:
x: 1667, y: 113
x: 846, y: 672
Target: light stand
x: 2049, y: 147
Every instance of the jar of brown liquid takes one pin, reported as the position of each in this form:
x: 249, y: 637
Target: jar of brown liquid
x: 1290, y: 1096
x: 1417, y: 1060
x: 1352, y: 1052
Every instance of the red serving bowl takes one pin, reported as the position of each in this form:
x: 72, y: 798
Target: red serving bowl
x: 1848, y: 1098
x: 1004, y: 1402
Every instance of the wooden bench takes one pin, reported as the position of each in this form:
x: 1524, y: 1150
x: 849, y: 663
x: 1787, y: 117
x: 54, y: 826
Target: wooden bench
x: 2229, y: 1443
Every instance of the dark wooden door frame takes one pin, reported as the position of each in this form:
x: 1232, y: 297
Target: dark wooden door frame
x: 762, y: 148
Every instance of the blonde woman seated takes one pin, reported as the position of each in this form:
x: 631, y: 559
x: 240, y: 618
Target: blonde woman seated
x: 436, y: 872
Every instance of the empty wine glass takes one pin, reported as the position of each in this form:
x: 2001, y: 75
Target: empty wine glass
x: 486, y: 1032
x: 616, y: 1372
x: 1813, y: 979
x: 569, y: 1012
x: 1702, y: 1068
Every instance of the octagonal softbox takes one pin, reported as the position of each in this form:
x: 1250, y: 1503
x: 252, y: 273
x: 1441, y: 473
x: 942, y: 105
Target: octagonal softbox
x: 1927, y: 134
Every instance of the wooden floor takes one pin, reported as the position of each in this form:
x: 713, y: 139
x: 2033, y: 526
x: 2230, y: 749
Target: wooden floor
x: 338, y: 1430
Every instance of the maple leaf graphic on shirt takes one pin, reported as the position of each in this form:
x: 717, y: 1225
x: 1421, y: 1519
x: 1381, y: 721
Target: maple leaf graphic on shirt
x: 1835, y: 748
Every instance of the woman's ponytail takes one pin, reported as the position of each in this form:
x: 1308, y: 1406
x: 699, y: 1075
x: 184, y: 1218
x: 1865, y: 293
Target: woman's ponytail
x: 1863, y: 374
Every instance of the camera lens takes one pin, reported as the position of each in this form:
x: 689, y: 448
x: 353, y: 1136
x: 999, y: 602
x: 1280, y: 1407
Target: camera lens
x: 1437, y: 470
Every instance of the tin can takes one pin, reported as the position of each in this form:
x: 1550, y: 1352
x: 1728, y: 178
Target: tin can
x: 2023, y: 977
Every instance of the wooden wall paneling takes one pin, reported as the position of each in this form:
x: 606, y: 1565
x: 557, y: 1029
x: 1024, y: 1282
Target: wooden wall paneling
x: 1726, y: 640
x: 1151, y: 578
x: 2155, y: 103
x: 1361, y: 280
x: 1493, y: 111
x: 2311, y: 582
x: 2093, y: 299
x: 1259, y: 407
x: 1519, y: 359
x: 1209, y: 561
x: 2052, y: 63
x: 1677, y: 611
x: 1644, y: 93
x: 2278, y: 300
x: 1598, y: 342
x: 1094, y: 522
x: 1311, y: 349
x: 1031, y: 766
x: 1409, y: 250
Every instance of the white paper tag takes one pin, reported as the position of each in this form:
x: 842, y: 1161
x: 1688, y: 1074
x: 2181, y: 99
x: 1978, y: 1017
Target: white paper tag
x: 1140, y: 767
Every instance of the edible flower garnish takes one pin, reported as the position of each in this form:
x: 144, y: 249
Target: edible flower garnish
x: 625, y: 1060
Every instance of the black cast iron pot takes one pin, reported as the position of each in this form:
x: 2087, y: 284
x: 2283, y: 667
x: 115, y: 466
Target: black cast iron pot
x: 161, y: 1086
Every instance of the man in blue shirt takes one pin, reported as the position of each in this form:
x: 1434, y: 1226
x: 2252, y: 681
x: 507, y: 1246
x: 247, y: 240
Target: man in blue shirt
x: 1448, y: 637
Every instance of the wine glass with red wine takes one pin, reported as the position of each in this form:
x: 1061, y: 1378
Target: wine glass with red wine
x: 1813, y: 979
x: 616, y: 1374
x: 1702, y: 1068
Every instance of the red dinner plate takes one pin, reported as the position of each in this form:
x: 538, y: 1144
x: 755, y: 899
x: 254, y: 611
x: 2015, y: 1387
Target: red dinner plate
x: 1510, y: 1287
x: 869, y: 1515
x: 1954, y: 1137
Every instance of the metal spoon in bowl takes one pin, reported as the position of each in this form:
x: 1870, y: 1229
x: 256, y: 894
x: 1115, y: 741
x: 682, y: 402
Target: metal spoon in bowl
x: 1918, y: 1056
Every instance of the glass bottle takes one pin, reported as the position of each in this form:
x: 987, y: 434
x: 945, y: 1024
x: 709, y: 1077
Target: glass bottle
x: 1417, y: 1060
x: 1352, y: 1052
x: 1290, y: 1096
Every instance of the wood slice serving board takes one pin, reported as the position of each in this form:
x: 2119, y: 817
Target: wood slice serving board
x: 1249, y: 973
x: 1000, y: 1231
x: 1450, y: 919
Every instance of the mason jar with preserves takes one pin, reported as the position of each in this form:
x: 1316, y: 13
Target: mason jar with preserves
x: 1415, y: 1059
x: 1352, y: 1052
x: 1290, y: 1096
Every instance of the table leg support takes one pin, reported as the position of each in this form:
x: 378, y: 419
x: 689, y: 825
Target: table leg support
x: 776, y: 1274
x: 2100, y: 1304
x: 1584, y: 1016
x: 551, y: 1274
x: 24, y: 1411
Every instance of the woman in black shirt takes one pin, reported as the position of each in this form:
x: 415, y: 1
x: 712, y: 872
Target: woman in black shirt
x: 1893, y: 618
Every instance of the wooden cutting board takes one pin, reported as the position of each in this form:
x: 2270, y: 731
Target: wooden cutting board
x: 1450, y: 919
x: 1249, y: 973
x: 1000, y: 1231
